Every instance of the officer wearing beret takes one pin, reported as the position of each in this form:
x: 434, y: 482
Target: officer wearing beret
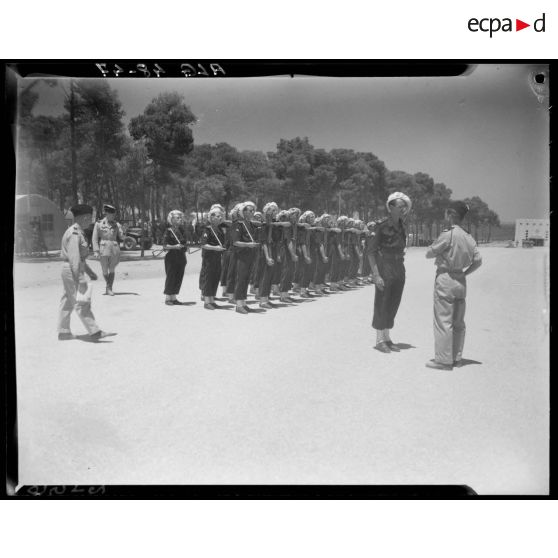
x: 74, y: 251
x: 107, y: 235
x: 386, y: 255
x: 456, y: 256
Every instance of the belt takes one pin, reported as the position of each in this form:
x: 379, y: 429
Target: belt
x: 107, y: 241
x: 451, y: 273
x: 392, y: 256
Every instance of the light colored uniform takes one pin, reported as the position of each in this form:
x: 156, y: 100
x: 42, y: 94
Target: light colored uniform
x: 454, y: 250
x: 74, y: 250
x: 106, y: 240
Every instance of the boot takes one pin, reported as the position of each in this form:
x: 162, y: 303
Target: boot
x: 109, y: 284
x: 107, y: 281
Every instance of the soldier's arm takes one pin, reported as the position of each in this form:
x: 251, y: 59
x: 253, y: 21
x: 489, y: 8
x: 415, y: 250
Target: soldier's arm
x: 440, y: 245
x: 292, y: 250
x: 74, y: 257
x: 322, y: 251
x: 266, y: 252
x: 477, y: 262
x: 95, y: 237
x: 371, y: 252
x: 89, y: 271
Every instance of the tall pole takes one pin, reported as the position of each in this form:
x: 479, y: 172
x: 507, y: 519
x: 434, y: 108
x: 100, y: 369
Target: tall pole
x: 73, y: 142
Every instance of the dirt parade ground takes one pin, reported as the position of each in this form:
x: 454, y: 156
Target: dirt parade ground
x: 293, y: 395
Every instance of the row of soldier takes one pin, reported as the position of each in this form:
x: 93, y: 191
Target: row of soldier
x: 279, y: 251
x: 273, y: 251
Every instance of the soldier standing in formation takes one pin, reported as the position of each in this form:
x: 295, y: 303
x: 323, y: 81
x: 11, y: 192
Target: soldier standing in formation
x: 386, y: 253
x: 107, y: 235
x: 74, y: 251
x: 456, y: 256
x: 212, y: 244
x: 244, y: 247
x: 174, y: 244
x: 270, y: 236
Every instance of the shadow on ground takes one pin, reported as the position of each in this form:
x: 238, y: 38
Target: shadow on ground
x: 88, y: 339
x: 466, y: 362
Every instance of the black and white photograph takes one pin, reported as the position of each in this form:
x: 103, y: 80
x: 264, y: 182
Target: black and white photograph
x: 285, y: 280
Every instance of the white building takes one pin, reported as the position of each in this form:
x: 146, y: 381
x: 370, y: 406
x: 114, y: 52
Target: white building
x: 33, y: 207
x: 537, y: 230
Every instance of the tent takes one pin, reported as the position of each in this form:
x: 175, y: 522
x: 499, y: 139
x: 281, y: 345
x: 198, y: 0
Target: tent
x: 33, y: 207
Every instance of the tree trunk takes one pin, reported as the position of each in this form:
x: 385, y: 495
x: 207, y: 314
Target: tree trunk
x: 73, y: 147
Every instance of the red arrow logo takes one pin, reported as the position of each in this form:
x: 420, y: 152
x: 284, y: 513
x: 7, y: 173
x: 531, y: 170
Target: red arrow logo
x: 519, y: 25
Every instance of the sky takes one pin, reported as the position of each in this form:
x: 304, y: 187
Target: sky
x: 483, y: 134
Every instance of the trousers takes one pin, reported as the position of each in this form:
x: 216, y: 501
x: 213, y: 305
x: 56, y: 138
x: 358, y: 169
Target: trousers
x: 244, y: 262
x: 210, y: 273
x: 287, y: 273
x: 268, y: 274
x: 225, y: 258
x: 231, y: 272
x: 386, y: 301
x: 175, y: 264
x: 450, y: 291
x: 68, y: 304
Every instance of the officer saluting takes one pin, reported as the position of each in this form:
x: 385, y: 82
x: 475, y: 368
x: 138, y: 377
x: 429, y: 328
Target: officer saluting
x: 107, y: 235
x: 74, y: 251
x: 456, y: 256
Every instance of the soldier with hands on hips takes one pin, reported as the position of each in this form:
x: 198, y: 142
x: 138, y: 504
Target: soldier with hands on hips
x: 106, y: 239
x: 456, y: 256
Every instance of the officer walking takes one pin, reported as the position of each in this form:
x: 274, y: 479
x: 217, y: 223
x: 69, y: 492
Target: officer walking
x: 74, y: 251
x: 385, y: 254
x: 107, y: 236
x: 456, y: 256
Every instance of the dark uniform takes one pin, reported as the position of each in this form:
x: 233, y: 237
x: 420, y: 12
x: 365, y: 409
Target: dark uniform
x: 312, y: 247
x: 175, y: 260
x: 226, y: 227
x: 259, y: 264
x: 344, y: 264
x: 320, y: 239
x: 287, y: 263
x: 210, y: 272
x: 243, y: 231
x: 300, y: 266
x: 271, y: 235
x: 388, y: 246
x: 333, y: 240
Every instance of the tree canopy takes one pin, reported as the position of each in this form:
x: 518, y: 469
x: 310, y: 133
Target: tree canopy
x: 87, y: 154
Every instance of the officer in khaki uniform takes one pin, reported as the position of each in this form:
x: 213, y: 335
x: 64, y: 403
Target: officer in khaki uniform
x: 456, y: 256
x: 74, y: 251
x: 107, y: 235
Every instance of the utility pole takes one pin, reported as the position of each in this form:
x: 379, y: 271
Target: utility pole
x: 73, y: 148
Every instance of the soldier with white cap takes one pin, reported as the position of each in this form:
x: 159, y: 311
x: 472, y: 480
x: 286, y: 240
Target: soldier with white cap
x: 107, y: 235
x: 456, y: 256
x: 386, y: 255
